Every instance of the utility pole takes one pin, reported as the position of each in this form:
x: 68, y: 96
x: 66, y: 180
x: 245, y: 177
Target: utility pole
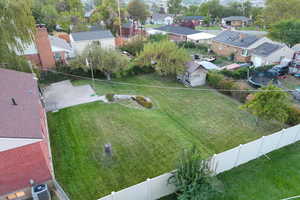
x: 120, y: 22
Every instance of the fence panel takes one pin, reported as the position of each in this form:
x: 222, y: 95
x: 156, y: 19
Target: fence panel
x: 289, y: 136
x: 160, y: 187
x: 226, y: 160
x: 270, y: 143
x: 138, y: 191
x: 249, y: 151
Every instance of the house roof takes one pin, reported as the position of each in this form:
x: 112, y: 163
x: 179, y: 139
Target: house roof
x: 208, y: 65
x: 191, y: 66
x: 178, y: 30
x: 158, y: 16
x: 236, y: 18
x: 296, y: 47
x: 21, y: 164
x: 201, y: 36
x: 91, y: 35
x: 192, y: 17
x: 266, y: 49
x: 235, y: 38
x: 60, y: 43
x: 22, y: 120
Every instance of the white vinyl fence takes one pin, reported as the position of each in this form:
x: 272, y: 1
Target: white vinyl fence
x: 158, y: 187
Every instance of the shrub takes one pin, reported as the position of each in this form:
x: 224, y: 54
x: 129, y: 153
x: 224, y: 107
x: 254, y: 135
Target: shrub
x: 110, y: 97
x: 293, y: 115
x: 134, y: 46
x: 241, y: 96
x: 236, y: 74
x: 214, y: 78
x: 158, y: 37
x: 143, y: 101
x: 226, y: 84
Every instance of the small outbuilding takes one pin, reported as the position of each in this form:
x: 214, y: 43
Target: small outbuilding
x: 195, y: 75
x: 202, y: 37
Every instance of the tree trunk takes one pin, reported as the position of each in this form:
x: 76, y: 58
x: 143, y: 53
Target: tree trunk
x: 107, y: 74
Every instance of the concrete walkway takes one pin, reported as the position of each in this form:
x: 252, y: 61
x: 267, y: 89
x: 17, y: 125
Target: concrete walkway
x: 63, y: 94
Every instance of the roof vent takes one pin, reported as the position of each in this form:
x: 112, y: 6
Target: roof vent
x: 14, y: 102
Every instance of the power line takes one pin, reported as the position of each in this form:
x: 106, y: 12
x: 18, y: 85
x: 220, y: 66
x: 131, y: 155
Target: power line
x: 167, y: 87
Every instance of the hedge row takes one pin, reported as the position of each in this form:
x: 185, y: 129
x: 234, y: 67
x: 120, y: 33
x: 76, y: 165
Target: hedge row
x: 236, y: 74
x: 219, y: 81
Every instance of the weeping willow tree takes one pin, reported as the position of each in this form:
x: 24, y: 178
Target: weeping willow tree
x: 165, y: 56
x: 16, y: 31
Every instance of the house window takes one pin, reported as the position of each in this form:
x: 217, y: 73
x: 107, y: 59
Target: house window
x: 245, y: 52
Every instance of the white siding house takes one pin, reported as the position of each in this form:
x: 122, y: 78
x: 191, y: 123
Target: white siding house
x: 270, y: 53
x: 80, y: 40
x: 195, y: 75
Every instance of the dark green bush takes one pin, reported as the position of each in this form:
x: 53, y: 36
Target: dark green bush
x: 219, y: 81
x: 134, y: 46
x: 293, y: 115
x: 192, y: 45
x: 110, y: 97
x: 143, y: 101
x: 158, y: 37
x: 236, y: 74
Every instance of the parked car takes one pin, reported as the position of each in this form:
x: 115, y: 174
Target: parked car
x: 280, y: 70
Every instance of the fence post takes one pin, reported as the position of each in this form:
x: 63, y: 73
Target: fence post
x: 260, y: 146
x: 213, y: 164
x: 281, y: 133
x: 112, y: 195
x: 237, y: 156
x: 148, y: 182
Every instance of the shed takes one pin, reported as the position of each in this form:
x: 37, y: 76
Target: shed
x: 195, y: 75
x: 208, y: 65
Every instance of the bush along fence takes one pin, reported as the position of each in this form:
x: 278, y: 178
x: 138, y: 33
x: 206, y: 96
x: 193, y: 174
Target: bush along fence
x: 158, y: 187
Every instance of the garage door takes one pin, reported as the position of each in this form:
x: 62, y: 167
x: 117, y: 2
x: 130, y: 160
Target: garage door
x: 257, y: 61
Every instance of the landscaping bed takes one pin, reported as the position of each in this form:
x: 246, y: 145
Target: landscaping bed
x: 145, y: 143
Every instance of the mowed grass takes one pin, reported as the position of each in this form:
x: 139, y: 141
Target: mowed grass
x: 265, y: 179
x: 145, y: 143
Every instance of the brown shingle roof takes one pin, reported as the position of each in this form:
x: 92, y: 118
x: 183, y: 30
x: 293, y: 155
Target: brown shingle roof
x: 21, y: 120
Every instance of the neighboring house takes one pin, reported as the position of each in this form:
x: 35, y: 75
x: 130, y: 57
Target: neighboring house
x: 24, y: 142
x: 190, y: 21
x: 202, y: 38
x: 46, y: 50
x: 296, y: 58
x: 236, y: 44
x: 81, y: 40
x: 270, y: 53
x: 176, y: 33
x: 195, y: 75
x: 131, y: 29
x: 236, y: 21
x: 162, y: 19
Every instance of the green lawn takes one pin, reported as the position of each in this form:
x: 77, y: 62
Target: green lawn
x: 145, y: 143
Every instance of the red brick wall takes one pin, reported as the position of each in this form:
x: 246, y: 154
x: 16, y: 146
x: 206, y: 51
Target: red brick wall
x: 34, y: 59
x: 226, y: 50
x: 177, y: 37
x: 44, y: 48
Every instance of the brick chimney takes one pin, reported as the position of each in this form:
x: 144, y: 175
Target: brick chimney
x: 44, y: 47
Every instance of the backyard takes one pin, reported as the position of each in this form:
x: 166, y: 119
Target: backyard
x: 145, y: 143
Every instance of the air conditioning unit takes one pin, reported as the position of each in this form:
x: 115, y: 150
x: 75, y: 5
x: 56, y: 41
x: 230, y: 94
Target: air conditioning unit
x: 40, y: 192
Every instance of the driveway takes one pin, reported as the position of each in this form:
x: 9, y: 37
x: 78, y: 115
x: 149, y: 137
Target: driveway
x: 63, y: 94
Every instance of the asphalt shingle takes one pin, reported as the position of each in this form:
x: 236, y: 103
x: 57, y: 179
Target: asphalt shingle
x: 92, y: 35
x: 178, y: 30
x: 266, y: 49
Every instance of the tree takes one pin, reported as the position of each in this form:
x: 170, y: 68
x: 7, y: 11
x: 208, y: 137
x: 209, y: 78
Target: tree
x: 277, y: 10
x: 108, y: 13
x: 16, y: 30
x: 138, y: 10
x: 174, y: 6
x: 165, y: 56
x: 286, y: 31
x: 270, y: 103
x: 108, y: 61
x: 194, y: 178
x: 212, y: 8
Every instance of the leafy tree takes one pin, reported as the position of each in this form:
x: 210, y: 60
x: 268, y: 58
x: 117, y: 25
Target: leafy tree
x: 108, y: 13
x: 16, y: 30
x: 212, y: 8
x: 135, y: 45
x: 271, y: 103
x: 165, y: 56
x: 158, y: 37
x: 174, y: 6
x: 138, y: 10
x: 286, y: 31
x: 108, y: 61
x: 277, y: 10
x: 194, y: 178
